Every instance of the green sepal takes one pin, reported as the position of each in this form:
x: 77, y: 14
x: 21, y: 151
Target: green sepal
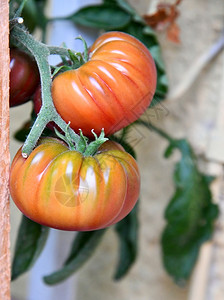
x: 102, y: 16
x: 76, y: 58
x: 60, y: 69
x: 66, y: 138
x: 83, y: 142
x: 20, y: 9
x: 85, y: 55
x: 93, y: 146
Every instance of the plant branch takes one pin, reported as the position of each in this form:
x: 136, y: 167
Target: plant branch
x: 48, y: 112
x: 58, y: 50
x: 20, y: 9
x: 157, y: 130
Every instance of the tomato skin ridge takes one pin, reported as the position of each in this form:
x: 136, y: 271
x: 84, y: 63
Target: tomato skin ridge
x: 145, y: 52
x: 112, y: 92
x: 122, y: 162
x: 110, y: 222
x: 132, y: 66
x: 107, y: 118
x: 105, y: 84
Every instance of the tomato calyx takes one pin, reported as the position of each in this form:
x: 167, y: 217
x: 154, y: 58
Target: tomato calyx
x: 85, y: 53
x: 93, y: 146
x: 82, y: 146
x: 66, y: 138
x: 76, y: 59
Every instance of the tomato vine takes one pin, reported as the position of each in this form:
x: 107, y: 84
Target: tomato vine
x: 190, y: 230
x: 48, y: 112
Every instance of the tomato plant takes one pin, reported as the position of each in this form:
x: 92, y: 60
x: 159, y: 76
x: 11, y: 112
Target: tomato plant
x: 24, y: 77
x: 109, y: 91
x: 109, y: 86
x: 63, y: 189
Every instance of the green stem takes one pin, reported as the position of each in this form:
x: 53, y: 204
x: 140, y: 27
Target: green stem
x: 58, y: 50
x: 125, y: 132
x: 157, y: 130
x: 48, y: 112
x: 20, y: 9
x: 58, y: 19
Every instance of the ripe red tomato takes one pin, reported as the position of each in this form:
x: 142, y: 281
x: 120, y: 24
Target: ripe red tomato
x: 109, y: 91
x: 63, y: 189
x: 24, y: 77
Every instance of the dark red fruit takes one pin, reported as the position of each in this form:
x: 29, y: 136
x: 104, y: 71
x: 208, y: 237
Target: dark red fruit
x: 24, y: 77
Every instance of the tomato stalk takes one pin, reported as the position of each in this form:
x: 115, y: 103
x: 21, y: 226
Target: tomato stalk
x: 160, y: 132
x: 58, y: 50
x: 20, y: 9
x: 85, y: 54
x: 48, y: 112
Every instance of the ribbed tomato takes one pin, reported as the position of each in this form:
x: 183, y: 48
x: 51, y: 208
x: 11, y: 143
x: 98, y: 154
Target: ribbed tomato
x: 63, y: 189
x: 109, y: 91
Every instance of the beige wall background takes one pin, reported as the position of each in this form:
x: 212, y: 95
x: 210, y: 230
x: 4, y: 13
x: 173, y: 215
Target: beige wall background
x: 194, y: 116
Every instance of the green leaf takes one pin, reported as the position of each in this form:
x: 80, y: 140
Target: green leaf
x: 60, y: 69
x: 138, y: 30
x: 190, y: 215
x: 110, y: 2
x: 82, y: 249
x: 32, y: 12
x: 156, y: 54
x: 127, y: 231
x: 29, y: 245
x: 20, y: 8
x: 30, y: 15
x: 162, y: 85
x: 21, y: 134
x: 162, y: 81
x: 128, y: 8
x: 104, y: 16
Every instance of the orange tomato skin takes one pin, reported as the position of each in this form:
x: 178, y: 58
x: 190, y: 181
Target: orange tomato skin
x: 109, y: 91
x: 62, y: 189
